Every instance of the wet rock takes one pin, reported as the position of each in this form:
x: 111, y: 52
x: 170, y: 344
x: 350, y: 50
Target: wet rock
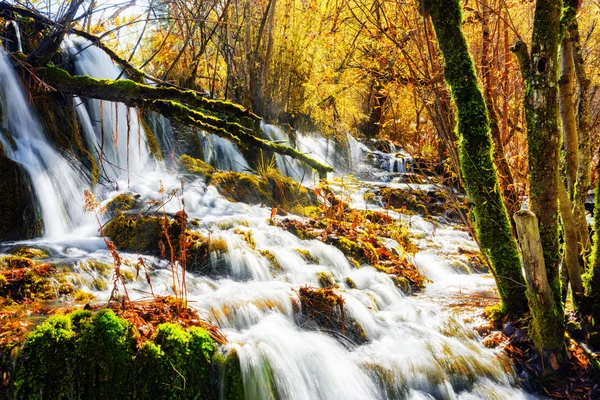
x: 17, y: 202
x: 508, y: 329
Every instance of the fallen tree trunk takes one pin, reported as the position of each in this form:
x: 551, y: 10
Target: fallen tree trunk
x: 185, y: 106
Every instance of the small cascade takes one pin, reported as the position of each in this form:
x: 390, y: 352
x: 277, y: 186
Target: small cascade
x: 222, y: 154
x: 163, y: 130
x: 17, y: 29
x: 113, y: 131
x: 407, y: 347
x: 287, y: 165
x: 58, y: 182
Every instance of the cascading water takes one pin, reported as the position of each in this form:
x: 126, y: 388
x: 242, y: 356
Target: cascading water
x: 222, y: 154
x: 15, y: 26
x: 112, y: 130
x: 413, y: 348
x: 57, y: 181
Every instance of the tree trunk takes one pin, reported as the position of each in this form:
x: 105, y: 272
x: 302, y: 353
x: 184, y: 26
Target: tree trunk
x: 46, y: 51
x: 475, y: 152
x: 584, y: 123
x: 567, y: 113
x: 545, y: 327
x: 540, y: 73
x: 593, y: 275
x: 571, y: 256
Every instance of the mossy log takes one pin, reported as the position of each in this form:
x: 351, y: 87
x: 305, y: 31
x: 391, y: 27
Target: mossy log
x: 475, y: 150
x: 184, y: 106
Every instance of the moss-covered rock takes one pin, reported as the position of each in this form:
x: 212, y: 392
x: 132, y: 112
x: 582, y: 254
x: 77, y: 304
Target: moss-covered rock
x: 45, y: 369
x: 272, y: 189
x: 122, y: 203
x: 196, y: 166
x: 86, y: 355
x: 231, y: 375
x: 177, y: 364
x: 145, y: 234
x: 29, y: 252
x: 308, y: 256
x: 326, y: 280
x: 323, y: 308
x: 141, y: 233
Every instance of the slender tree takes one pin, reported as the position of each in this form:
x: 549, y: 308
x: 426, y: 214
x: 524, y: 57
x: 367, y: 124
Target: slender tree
x: 540, y: 74
x: 475, y: 152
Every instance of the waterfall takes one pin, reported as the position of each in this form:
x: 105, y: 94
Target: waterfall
x: 222, y: 154
x: 17, y: 29
x: 287, y: 165
x: 410, y: 347
x: 57, y: 181
x: 111, y: 129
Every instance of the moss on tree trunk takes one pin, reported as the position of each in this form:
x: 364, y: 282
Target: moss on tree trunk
x: 475, y: 147
x: 592, y: 279
x: 540, y: 74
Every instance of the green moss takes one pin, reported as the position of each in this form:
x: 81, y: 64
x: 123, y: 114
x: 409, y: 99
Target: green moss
x: 29, y: 252
x: 16, y: 262
x: 272, y: 259
x: 100, y: 267
x: 475, y: 152
x: 350, y: 283
x: 3, y: 286
x: 99, y: 284
x: 247, y: 235
x: 196, y: 166
x: 349, y: 248
x: 120, y: 204
x: 272, y: 190
x: 233, y: 382
x: 140, y: 233
x: 326, y: 280
x: 103, y: 355
x: 87, y: 355
x: 310, y: 211
x: 308, y: 256
x: 45, y: 369
x: 177, y: 365
x: 495, y: 313
x: 35, y: 287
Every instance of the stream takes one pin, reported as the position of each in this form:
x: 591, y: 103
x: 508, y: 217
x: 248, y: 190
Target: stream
x: 416, y: 347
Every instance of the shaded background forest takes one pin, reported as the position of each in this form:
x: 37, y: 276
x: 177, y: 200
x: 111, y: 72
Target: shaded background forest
x: 369, y: 67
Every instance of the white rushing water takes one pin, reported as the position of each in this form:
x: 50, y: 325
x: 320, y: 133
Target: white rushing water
x: 57, y: 181
x: 413, y: 348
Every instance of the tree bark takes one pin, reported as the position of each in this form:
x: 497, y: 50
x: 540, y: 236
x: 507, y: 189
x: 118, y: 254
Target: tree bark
x: 584, y: 123
x: 50, y: 45
x: 593, y: 276
x: 540, y: 73
x: 545, y: 327
x: 571, y: 253
x: 567, y: 113
x: 475, y: 151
